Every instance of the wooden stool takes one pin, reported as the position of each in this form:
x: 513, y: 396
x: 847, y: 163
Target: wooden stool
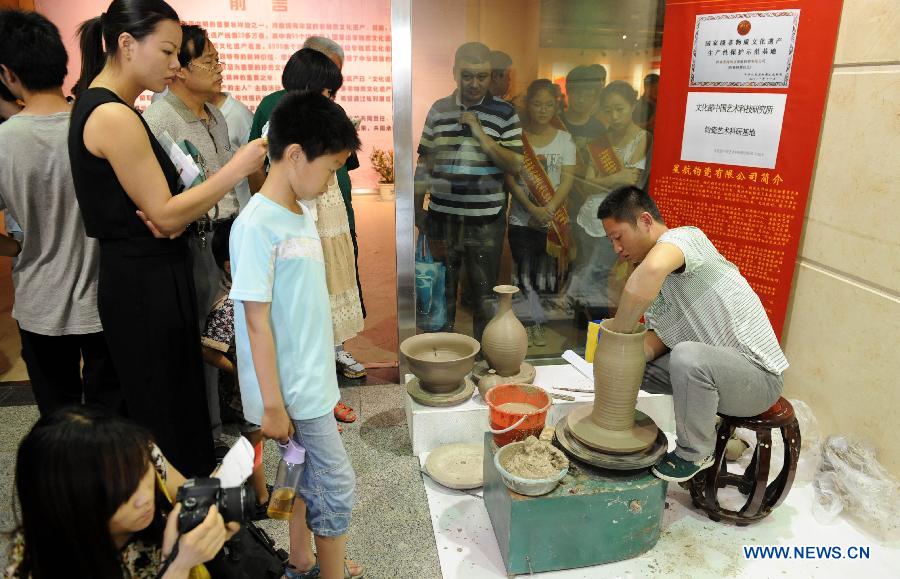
x: 761, y: 496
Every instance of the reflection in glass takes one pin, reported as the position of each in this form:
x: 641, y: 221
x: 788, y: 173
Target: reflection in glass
x: 529, y: 114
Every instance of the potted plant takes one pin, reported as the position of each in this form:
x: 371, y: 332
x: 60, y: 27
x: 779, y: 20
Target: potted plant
x: 383, y: 163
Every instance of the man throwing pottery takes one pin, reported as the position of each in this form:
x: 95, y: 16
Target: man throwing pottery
x: 709, y: 342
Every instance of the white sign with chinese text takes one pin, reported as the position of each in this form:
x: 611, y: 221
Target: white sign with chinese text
x: 733, y: 128
x: 744, y: 49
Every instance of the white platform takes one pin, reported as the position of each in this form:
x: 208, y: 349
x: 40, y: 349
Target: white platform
x: 430, y: 427
x: 690, y: 545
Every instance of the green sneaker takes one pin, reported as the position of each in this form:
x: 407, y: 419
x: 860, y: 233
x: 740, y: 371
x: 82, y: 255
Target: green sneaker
x: 673, y: 468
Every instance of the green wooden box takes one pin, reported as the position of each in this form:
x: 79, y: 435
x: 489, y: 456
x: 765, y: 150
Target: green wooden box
x: 594, y: 516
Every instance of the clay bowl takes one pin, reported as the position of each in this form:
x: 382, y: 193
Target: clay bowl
x: 532, y: 487
x: 441, y: 360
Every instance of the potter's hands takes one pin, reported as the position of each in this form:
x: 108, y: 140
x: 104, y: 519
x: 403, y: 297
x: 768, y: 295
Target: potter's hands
x: 155, y: 230
x: 644, y: 284
x: 277, y: 425
x: 622, y: 326
x: 631, y: 307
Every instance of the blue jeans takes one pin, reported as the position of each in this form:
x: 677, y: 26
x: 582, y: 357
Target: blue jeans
x: 328, y: 482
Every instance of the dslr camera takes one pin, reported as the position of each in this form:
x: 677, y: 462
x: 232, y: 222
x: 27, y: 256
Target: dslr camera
x: 197, y: 495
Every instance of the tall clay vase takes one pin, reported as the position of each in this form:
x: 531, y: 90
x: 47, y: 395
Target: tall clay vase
x: 505, y: 341
x: 618, y: 373
x: 613, y: 424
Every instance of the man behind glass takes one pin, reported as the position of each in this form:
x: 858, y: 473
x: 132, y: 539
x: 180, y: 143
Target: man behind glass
x: 470, y: 140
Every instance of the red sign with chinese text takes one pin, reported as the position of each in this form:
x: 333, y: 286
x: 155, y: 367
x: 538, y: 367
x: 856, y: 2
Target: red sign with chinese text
x: 741, y: 98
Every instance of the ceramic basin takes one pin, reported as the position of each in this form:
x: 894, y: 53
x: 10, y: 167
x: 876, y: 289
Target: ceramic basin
x: 440, y: 360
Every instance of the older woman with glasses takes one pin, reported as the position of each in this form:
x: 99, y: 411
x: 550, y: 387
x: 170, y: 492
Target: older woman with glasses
x: 187, y: 117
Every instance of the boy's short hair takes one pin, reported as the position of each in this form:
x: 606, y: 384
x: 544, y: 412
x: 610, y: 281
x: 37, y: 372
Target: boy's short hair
x: 30, y: 46
x: 311, y: 70
x: 219, y: 245
x: 472, y: 52
x: 591, y: 77
x: 626, y: 204
x: 312, y: 121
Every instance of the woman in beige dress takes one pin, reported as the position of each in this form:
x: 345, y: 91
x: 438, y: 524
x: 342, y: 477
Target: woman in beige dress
x: 340, y: 272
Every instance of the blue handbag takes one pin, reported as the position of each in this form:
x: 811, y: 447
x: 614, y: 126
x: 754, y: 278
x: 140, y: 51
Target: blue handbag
x: 431, y: 306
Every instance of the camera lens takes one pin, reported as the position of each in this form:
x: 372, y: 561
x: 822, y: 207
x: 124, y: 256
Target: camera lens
x: 237, y: 504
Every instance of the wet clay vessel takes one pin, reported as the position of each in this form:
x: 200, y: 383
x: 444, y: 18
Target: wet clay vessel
x: 441, y: 360
x: 488, y: 381
x: 613, y: 424
x: 505, y: 341
x: 526, y: 374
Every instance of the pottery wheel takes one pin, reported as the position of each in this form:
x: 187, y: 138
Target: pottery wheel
x: 589, y: 433
x: 646, y: 458
x: 525, y: 376
x: 426, y: 398
x: 457, y: 466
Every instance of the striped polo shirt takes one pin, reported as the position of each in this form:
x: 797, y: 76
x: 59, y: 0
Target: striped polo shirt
x: 711, y: 302
x: 464, y: 180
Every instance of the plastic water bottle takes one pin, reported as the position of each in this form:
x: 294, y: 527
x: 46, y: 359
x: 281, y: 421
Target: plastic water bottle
x: 290, y: 471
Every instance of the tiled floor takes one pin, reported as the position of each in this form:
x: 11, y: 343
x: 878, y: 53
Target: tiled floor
x: 391, y: 529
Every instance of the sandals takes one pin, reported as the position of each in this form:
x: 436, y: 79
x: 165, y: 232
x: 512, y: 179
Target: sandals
x: 344, y: 413
x: 348, y: 575
x: 291, y: 572
x: 261, y: 512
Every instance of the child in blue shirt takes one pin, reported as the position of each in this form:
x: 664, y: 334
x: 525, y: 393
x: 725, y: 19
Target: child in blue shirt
x: 283, y: 329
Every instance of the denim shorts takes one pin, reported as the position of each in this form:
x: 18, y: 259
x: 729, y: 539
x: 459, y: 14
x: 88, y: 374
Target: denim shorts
x: 328, y: 482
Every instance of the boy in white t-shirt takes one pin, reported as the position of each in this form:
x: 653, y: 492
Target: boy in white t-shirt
x: 283, y: 324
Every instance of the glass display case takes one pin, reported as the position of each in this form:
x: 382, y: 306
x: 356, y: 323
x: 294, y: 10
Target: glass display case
x: 513, y: 119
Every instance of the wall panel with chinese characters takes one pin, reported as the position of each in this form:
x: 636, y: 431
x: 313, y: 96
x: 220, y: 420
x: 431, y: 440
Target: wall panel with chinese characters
x: 737, y: 126
x: 255, y: 38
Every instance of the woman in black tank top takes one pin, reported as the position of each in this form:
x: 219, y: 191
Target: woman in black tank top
x: 130, y: 198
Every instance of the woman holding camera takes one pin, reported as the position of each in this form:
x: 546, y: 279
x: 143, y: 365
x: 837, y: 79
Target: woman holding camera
x: 92, y: 506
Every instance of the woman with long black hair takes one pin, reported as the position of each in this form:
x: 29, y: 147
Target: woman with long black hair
x: 128, y: 187
x: 92, y: 507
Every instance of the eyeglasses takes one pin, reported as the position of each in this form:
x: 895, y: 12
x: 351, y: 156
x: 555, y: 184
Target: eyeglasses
x: 216, y: 66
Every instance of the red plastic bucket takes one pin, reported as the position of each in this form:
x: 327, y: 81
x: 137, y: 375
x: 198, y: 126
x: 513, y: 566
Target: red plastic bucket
x: 512, y: 424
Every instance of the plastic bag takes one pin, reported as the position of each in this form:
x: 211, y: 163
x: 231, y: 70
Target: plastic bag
x: 851, y: 480
x: 431, y: 305
x: 810, y: 445
x: 827, y: 504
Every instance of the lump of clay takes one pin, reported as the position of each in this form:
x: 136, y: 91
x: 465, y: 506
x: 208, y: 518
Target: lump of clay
x: 734, y: 448
x: 535, y: 459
